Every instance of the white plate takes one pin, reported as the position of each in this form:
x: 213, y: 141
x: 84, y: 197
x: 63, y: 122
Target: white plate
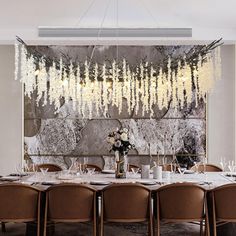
x: 146, y: 182
x: 108, y: 171
x: 100, y: 182
x: 10, y: 178
x: 189, y: 172
x: 65, y: 177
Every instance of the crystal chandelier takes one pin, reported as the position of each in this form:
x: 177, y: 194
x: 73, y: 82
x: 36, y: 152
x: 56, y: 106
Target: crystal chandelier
x: 93, y: 87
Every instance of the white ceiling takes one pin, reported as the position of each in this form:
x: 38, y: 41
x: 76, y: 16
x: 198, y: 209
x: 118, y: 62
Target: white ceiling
x: 210, y: 19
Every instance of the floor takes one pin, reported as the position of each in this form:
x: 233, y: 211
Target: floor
x: 84, y: 229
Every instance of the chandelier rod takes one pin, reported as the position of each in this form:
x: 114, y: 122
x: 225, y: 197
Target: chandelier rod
x: 84, y: 13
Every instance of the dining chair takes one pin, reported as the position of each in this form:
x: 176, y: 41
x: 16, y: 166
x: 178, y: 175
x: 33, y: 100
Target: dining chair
x: 181, y: 202
x: 167, y: 167
x: 207, y: 168
x: 126, y: 202
x: 70, y: 202
x: 97, y: 168
x: 20, y: 203
x: 132, y: 166
x: 51, y: 167
x: 224, y: 205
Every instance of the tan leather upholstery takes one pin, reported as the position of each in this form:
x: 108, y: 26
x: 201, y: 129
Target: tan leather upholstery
x: 132, y: 166
x: 167, y: 167
x: 19, y: 203
x: 126, y: 203
x: 70, y: 203
x: 224, y: 204
x: 51, y: 167
x: 180, y: 203
x: 97, y: 168
x: 208, y: 168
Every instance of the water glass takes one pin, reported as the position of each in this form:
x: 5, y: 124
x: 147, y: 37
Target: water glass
x: 182, y: 170
x: 223, y: 163
x: 231, y: 167
x: 90, y: 171
x: 135, y: 171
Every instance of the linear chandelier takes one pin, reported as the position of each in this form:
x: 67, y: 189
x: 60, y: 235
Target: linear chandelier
x: 93, y: 87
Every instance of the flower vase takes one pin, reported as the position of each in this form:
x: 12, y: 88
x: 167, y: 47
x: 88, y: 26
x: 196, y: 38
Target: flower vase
x: 121, y: 165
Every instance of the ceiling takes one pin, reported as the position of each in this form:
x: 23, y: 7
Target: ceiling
x: 210, y: 19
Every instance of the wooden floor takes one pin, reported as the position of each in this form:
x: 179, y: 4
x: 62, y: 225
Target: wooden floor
x: 84, y: 229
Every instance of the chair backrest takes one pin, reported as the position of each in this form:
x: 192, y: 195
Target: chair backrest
x: 181, y: 202
x: 97, y: 168
x: 51, y: 167
x: 126, y: 203
x: 224, y: 202
x: 208, y: 168
x: 70, y: 202
x: 19, y: 203
x: 167, y: 167
x: 132, y: 166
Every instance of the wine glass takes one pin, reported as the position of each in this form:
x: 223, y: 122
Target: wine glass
x: 182, y: 169
x: 231, y: 167
x: 85, y: 162
x: 90, y: 171
x: 18, y: 169
x: 164, y: 163
x: 44, y: 172
x: 223, y: 163
x: 135, y: 171
x: 196, y: 164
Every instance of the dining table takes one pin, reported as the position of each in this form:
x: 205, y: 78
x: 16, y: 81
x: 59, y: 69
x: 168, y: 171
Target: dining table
x: 42, y: 181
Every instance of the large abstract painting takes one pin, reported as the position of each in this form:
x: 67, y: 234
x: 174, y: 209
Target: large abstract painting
x: 58, y: 136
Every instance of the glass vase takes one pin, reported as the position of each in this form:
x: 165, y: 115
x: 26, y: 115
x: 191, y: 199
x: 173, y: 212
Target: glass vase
x: 121, y: 166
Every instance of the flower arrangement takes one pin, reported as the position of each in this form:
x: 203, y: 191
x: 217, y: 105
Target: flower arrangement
x: 119, y: 140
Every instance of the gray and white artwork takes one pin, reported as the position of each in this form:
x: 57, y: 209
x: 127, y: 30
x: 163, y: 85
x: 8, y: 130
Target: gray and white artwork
x: 59, y: 136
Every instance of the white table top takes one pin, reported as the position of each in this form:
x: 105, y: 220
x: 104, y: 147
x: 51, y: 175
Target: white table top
x: 208, y: 180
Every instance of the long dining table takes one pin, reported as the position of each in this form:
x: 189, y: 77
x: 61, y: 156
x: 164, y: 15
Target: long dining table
x: 208, y: 180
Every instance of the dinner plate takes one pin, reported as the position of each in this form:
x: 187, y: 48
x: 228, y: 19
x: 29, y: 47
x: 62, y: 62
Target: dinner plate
x: 230, y: 175
x: 189, y: 172
x: 10, y: 178
x: 146, y: 182
x: 100, y: 182
x: 65, y: 177
x: 108, y: 171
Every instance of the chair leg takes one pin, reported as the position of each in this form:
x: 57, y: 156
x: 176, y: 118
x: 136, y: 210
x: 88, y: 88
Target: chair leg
x: 3, y: 227
x: 201, y: 228
x: 102, y: 228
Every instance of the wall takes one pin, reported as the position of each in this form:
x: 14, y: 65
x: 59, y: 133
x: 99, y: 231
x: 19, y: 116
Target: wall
x: 221, y: 111
x: 11, y: 113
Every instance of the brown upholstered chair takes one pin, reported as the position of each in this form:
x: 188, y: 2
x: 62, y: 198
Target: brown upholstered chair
x: 224, y: 205
x: 70, y: 203
x: 208, y: 168
x: 20, y: 203
x: 126, y: 203
x: 132, y: 166
x: 97, y: 168
x: 51, y: 167
x: 167, y: 167
x: 181, y: 203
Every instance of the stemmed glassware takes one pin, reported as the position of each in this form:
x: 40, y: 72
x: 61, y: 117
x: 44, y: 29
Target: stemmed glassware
x: 90, y: 171
x: 231, y: 166
x: 164, y: 163
x: 196, y: 164
x: 44, y: 172
x: 135, y: 171
x: 223, y: 163
x: 182, y: 170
